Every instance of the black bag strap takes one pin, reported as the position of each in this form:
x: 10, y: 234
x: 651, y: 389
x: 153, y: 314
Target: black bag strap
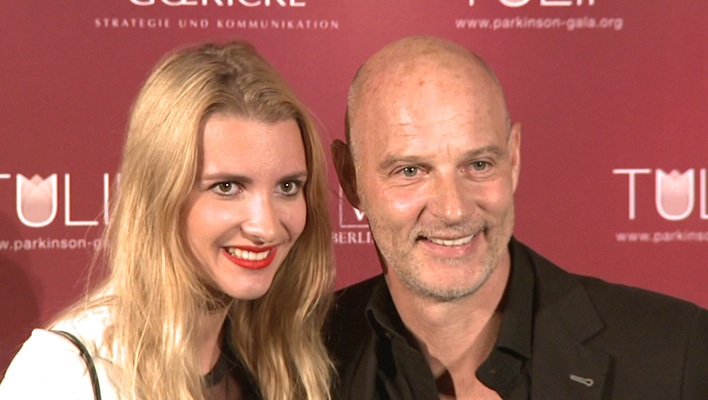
x: 87, y: 358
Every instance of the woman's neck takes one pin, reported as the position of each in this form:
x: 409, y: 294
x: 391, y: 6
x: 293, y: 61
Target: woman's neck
x: 209, y: 328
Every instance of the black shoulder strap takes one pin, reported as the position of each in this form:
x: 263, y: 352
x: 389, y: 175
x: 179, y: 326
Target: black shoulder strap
x: 87, y: 358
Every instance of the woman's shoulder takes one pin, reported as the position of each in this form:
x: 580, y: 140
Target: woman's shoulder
x: 47, y: 366
x: 89, y: 326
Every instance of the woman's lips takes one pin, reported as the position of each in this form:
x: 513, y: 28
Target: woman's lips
x: 251, y: 257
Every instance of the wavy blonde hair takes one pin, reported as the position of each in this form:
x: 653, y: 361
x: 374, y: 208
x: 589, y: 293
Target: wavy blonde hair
x: 155, y: 291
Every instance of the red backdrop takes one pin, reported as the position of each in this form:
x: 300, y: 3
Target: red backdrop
x: 612, y: 96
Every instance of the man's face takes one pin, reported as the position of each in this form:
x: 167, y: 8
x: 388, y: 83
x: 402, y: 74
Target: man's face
x: 436, y: 170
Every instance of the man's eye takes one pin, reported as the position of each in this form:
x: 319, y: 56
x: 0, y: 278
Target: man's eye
x: 480, y: 165
x: 290, y: 188
x: 409, y: 171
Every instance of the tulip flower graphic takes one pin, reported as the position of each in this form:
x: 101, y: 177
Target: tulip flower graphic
x: 675, y: 194
x: 36, y: 200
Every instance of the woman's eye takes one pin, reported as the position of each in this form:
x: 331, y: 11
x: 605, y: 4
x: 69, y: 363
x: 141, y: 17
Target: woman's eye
x: 409, y: 171
x: 289, y: 188
x: 226, y: 188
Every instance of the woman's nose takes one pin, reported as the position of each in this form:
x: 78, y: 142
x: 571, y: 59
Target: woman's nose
x: 261, y: 223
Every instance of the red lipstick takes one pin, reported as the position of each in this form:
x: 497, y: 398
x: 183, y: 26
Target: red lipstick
x: 251, y: 264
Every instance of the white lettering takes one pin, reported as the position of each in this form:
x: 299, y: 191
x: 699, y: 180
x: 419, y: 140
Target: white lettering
x: 193, y: 23
x: 675, y: 194
x: 543, y: 3
x: 704, y: 197
x: 221, y: 3
x: 106, y: 196
x: 67, y: 206
x: 556, y: 3
x: 349, y: 237
x: 141, y: 23
x: 359, y: 214
x: 632, y: 186
x: 36, y: 201
x: 173, y: 3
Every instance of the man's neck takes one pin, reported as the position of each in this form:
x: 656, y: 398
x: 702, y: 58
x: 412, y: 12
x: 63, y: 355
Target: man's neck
x: 454, y: 336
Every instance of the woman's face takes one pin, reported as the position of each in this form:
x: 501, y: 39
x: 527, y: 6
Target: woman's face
x: 248, y: 205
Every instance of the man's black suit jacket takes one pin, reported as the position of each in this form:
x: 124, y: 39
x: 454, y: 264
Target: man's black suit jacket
x: 638, y: 344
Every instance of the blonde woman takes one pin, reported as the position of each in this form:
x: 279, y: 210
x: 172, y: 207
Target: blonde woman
x: 218, y: 248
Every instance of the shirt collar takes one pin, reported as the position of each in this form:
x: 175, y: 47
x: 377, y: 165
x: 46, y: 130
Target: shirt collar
x: 382, y: 314
x: 515, y: 334
x: 506, y: 368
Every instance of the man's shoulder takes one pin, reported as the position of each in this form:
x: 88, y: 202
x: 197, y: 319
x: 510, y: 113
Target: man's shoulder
x: 637, y: 307
x: 651, y: 345
x: 617, y: 305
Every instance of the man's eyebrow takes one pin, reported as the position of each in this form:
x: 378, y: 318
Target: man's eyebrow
x: 492, y: 149
x: 391, y: 160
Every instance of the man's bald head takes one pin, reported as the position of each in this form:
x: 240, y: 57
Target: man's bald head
x: 433, y: 162
x: 403, y: 64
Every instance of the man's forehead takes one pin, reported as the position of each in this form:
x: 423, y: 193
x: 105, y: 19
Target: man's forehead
x: 420, y: 99
x: 416, y: 56
x: 408, y: 74
x: 412, y: 83
x: 418, y: 81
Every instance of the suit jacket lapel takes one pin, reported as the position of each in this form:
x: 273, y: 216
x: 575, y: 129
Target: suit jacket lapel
x: 563, y: 365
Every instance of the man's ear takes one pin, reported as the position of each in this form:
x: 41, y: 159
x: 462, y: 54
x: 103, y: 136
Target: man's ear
x: 344, y: 164
x: 515, y: 153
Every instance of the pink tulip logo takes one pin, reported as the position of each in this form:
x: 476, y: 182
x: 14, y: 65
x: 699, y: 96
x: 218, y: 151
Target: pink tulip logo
x: 675, y: 194
x: 36, y: 200
x: 514, y: 3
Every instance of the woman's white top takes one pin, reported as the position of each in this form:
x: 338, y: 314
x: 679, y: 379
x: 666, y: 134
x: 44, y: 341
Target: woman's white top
x: 48, y: 366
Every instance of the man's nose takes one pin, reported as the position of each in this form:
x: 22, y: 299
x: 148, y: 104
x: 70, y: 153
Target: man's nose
x: 261, y: 222
x: 449, y: 200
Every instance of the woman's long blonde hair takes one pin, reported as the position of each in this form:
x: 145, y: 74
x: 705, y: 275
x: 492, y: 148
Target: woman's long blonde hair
x: 156, y: 291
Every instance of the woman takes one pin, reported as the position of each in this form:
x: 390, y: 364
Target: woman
x: 218, y: 247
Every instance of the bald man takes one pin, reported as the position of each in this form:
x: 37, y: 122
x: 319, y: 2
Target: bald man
x: 462, y: 309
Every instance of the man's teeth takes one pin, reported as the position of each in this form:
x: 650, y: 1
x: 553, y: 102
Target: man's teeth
x: 456, y: 242
x: 248, y: 255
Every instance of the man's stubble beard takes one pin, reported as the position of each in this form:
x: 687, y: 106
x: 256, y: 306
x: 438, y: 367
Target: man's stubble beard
x: 409, y: 270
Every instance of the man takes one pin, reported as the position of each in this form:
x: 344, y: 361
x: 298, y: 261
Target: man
x: 462, y: 309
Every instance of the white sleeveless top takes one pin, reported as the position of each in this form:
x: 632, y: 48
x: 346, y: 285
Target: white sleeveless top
x: 48, y: 366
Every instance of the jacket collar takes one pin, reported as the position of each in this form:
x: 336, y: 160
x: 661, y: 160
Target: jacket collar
x: 563, y: 364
